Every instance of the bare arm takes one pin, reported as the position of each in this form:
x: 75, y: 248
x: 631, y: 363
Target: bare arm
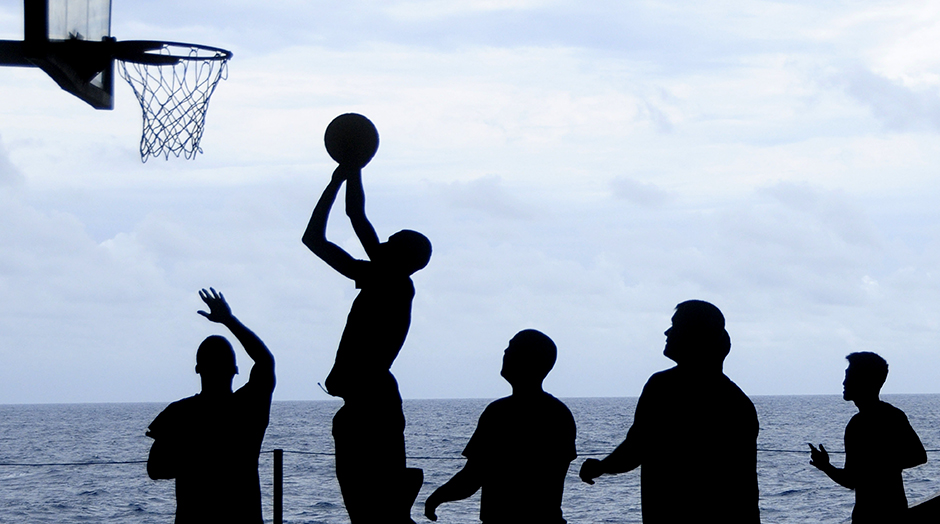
x: 820, y: 459
x: 356, y: 211
x: 462, y: 485
x: 219, y: 311
x: 315, y: 234
x: 624, y: 458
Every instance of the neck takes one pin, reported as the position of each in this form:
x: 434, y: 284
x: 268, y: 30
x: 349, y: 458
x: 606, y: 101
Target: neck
x: 527, y: 389
x: 866, y: 402
x: 214, y: 388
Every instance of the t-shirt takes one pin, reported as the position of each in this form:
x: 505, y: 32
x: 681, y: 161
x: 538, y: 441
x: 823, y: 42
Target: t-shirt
x: 879, y: 443
x: 523, y: 445
x: 695, y: 436
x: 375, y: 332
x: 215, y: 444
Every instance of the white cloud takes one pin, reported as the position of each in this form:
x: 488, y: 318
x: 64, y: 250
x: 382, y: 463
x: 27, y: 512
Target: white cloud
x: 898, y: 107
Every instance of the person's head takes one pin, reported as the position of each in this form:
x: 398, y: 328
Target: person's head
x: 697, y: 335
x: 864, y: 377
x: 215, y: 359
x: 407, y: 250
x: 528, y: 359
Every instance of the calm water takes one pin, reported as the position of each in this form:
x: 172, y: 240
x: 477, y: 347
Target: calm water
x: 791, y: 489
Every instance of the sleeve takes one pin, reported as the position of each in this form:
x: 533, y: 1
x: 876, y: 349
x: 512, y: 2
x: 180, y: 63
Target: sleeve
x: 478, y: 443
x: 571, y: 435
x: 159, y: 428
x: 910, y: 449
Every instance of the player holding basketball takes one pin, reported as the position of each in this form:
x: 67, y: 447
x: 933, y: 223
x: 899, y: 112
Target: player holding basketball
x: 368, y: 430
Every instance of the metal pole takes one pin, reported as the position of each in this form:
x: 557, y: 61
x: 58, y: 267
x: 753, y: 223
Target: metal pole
x: 278, y: 486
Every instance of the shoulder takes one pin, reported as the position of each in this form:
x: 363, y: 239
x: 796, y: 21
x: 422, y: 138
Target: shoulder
x: 173, y: 414
x: 662, y: 380
x: 558, y: 406
x: 255, y: 391
x: 498, y: 406
x: 891, y: 414
x: 183, y: 405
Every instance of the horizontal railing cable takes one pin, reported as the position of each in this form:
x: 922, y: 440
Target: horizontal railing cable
x: 330, y: 454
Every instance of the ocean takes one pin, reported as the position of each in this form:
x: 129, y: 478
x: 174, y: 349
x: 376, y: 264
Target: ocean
x: 86, y: 462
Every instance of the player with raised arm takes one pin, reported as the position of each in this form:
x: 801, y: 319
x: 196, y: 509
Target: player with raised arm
x: 368, y: 430
x: 210, y: 442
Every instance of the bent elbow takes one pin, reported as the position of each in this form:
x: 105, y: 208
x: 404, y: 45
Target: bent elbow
x: 313, y: 242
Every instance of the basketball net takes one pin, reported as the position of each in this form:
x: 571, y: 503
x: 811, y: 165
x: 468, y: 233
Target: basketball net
x: 174, y: 97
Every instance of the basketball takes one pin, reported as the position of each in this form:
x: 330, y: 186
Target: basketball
x: 351, y: 139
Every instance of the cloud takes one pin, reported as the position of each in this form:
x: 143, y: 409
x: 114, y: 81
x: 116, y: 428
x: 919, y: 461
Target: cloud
x: 9, y: 173
x: 487, y: 195
x: 896, y: 106
x: 638, y: 193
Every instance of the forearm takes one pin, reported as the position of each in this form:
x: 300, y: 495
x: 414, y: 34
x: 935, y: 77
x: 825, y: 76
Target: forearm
x: 315, y: 234
x: 356, y: 211
x: 839, y: 475
x: 462, y: 485
x: 623, y: 459
x: 253, y: 345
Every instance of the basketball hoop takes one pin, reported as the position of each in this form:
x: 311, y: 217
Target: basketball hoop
x: 173, y: 83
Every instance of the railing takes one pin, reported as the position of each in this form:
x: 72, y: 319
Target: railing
x: 278, y: 496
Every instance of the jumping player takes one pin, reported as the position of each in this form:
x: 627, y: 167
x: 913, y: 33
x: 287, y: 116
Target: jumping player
x: 368, y: 430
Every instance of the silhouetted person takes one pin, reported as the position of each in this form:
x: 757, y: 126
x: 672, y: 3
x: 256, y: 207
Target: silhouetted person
x: 879, y: 443
x: 694, y: 431
x: 368, y: 431
x: 210, y: 442
x: 523, y: 444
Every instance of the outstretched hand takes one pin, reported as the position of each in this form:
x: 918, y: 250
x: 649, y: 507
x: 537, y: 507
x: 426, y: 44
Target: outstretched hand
x: 590, y: 470
x: 819, y: 457
x: 218, y: 307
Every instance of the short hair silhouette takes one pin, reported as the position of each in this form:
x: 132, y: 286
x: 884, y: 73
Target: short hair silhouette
x: 868, y: 367
x: 409, y: 250
x: 698, y: 332
x: 215, y: 355
x: 536, y: 353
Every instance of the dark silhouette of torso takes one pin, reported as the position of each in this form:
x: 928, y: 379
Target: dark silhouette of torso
x: 376, y: 328
x: 523, y: 445
x: 368, y: 430
x: 696, y: 435
x: 879, y: 443
x: 216, y: 441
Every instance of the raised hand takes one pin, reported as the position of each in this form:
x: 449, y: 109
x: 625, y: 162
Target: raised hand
x: 218, y: 307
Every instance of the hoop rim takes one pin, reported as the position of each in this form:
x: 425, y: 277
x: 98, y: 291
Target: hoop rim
x: 138, y: 52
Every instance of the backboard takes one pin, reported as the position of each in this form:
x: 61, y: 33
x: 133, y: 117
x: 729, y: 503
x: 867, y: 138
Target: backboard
x: 63, y: 38
x: 71, y: 41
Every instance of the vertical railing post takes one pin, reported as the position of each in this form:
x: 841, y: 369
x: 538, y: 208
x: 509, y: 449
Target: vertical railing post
x: 278, y: 486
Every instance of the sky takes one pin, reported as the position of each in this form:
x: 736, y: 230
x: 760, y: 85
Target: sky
x: 579, y: 169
